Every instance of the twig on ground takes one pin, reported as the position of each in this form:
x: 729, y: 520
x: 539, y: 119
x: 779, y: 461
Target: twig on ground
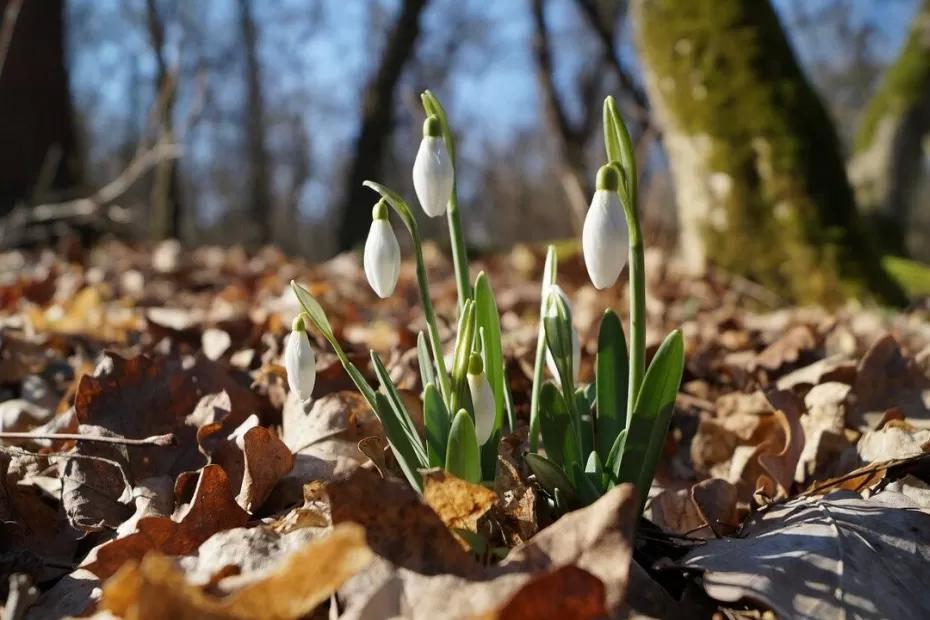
x: 167, y: 439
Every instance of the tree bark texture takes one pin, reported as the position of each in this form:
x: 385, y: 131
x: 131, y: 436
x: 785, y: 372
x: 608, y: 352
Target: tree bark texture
x: 760, y: 181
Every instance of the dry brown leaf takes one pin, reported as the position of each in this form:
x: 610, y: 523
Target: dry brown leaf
x: 267, y: 460
x: 567, y: 593
x: 399, y: 526
x: 888, y: 379
x: 516, y: 507
x: 781, y: 465
x: 458, y: 503
x: 789, y: 349
x: 156, y: 588
x: 212, y: 509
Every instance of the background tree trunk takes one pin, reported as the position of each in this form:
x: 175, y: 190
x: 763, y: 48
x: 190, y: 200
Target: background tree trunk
x: 889, y: 152
x: 760, y: 182
x: 37, y: 137
x: 259, y: 197
x: 377, y: 112
x: 166, y: 207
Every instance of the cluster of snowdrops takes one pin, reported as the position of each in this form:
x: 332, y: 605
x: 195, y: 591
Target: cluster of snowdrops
x: 592, y: 436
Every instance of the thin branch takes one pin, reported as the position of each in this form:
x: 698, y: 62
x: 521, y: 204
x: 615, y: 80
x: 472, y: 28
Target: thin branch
x: 168, y: 439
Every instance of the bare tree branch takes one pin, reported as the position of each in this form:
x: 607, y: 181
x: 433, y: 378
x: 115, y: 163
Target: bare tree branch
x: 10, y: 15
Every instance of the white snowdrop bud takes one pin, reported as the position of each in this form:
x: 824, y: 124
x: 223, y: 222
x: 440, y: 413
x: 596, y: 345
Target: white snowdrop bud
x: 576, y: 344
x: 482, y: 399
x: 432, y: 170
x: 605, y: 238
x: 299, y: 361
x: 382, y: 253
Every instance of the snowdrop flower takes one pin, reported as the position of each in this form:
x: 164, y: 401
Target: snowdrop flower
x: 482, y: 398
x: 432, y: 170
x: 382, y: 253
x: 605, y: 238
x: 299, y: 361
x: 555, y: 289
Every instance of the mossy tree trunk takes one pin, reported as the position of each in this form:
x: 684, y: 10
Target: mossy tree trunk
x: 760, y: 182
x: 888, y: 151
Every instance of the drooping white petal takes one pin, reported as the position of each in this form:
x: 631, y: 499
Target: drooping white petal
x: 382, y: 258
x: 576, y: 344
x: 605, y: 239
x: 300, y: 363
x: 433, y: 175
x: 482, y: 398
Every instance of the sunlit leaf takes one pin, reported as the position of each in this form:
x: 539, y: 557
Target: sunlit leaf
x: 462, y: 455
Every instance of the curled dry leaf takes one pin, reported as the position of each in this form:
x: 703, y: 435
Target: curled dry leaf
x: 567, y: 593
x: 458, y: 503
x: 212, y: 509
x: 156, y: 588
x: 846, y: 557
x: 887, y: 378
x: 398, y: 525
x: 780, y: 466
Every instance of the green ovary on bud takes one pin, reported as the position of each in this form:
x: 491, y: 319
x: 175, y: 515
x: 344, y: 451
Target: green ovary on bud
x: 299, y: 361
x: 605, y: 238
x: 382, y: 253
x: 433, y: 175
x: 482, y: 398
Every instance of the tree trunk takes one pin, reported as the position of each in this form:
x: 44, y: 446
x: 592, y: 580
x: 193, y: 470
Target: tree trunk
x: 259, y: 197
x: 37, y: 137
x: 376, y: 124
x: 166, y: 207
x: 760, y: 182
x: 888, y: 153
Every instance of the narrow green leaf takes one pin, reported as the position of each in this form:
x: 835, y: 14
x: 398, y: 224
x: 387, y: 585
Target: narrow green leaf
x: 611, y: 378
x: 314, y: 310
x: 551, y: 478
x: 463, y: 347
x: 432, y: 106
x: 612, y: 464
x: 588, y: 490
x: 586, y: 420
x: 620, y: 147
x: 427, y: 371
x: 550, y: 271
x: 652, y: 415
x: 401, y: 412
x: 438, y: 422
x: 400, y: 444
x: 462, y: 456
x: 558, y: 432
x: 488, y: 323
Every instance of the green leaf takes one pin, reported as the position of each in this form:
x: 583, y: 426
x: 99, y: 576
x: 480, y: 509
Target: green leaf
x: 612, y: 464
x: 586, y: 420
x: 611, y: 378
x: 438, y: 422
x: 462, y: 457
x: 400, y: 444
x: 427, y: 371
x: 551, y: 478
x: 620, y: 146
x: 397, y: 405
x: 463, y: 347
x: 652, y: 415
x: 399, y: 205
x: 588, y: 490
x: 550, y: 271
x: 488, y: 323
x: 558, y: 432
x: 314, y: 310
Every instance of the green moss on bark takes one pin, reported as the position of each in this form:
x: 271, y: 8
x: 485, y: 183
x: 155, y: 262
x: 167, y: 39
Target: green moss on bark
x: 726, y: 82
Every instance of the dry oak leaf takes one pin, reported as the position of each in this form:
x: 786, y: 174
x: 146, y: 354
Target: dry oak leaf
x: 398, y: 525
x: 567, y: 593
x: 156, y: 588
x: 212, y: 509
x: 596, y: 539
x: 838, y: 556
x: 788, y: 349
x: 458, y: 503
x: 886, y: 379
x: 780, y: 466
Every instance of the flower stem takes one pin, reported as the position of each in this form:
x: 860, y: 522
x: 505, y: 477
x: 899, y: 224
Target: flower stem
x: 637, y: 306
x: 459, y: 253
x: 445, y: 385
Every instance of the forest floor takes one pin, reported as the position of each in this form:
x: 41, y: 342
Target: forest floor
x: 794, y: 479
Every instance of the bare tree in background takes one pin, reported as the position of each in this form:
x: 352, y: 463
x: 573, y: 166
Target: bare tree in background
x: 166, y: 206
x: 38, y: 151
x: 889, y: 145
x: 259, y: 192
x: 376, y: 123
